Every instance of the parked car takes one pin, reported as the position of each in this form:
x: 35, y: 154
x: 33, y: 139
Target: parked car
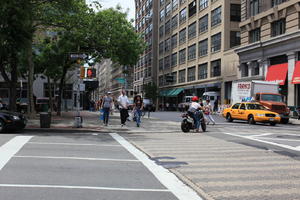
x: 11, y: 121
x: 251, y: 112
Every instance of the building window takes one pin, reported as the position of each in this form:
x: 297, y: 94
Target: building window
x: 161, y: 64
x: 191, y: 74
x: 216, y: 17
x: 168, y: 9
x: 167, y: 62
x: 254, y: 35
x: 174, y: 41
x: 278, y: 27
x: 182, y: 16
x: 203, y: 48
x: 255, y: 69
x: 174, y: 4
x: 174, y: 74
x: 192, y: 52
x: 235, y: 12
x: 174, y: 60
x: 168, y: 27
x: 161, y: 48
x: 182, y: 36
x: 182, y: 1
x: 182, y: 76
x: 276, y: 2
x: 161, y: 15
x: 215, y: 68
x: 203, y: 24
x: 174, y: 22
x: 192, y: 8
x: 254, y: 7
x: 216, y: 42
x: 202, y: 71
x: 203, y: 4
x: 235, y: 38
x: 162, y: 2
x: 182, y: 56
x: 161, y: 80
x: 192, y: 30
x: 167, y: 45
x: 245, y: 70
x: 161, y: 31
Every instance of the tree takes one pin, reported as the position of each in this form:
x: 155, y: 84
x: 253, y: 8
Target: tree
x: 151, y: 91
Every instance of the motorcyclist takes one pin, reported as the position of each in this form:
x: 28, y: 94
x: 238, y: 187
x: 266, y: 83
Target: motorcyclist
x: 193, y: 111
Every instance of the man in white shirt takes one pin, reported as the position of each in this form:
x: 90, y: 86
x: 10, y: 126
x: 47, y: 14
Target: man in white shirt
x: 123, y: 105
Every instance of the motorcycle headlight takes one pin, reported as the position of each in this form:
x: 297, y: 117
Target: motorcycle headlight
x: 260, y: 115
x: 15, y: 117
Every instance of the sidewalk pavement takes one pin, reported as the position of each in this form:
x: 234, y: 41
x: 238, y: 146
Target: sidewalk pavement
x: 92, y: 123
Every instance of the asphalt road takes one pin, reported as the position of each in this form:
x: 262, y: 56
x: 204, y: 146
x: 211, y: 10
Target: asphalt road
x: 81, y: 166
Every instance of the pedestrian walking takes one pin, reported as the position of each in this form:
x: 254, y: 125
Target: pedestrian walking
x: 123, y: 106
x: 208, y: 111
x: 106, y: 106
x: 138, y: 107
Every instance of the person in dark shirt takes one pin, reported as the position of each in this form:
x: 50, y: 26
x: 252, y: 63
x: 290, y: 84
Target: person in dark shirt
x: 137, y: 108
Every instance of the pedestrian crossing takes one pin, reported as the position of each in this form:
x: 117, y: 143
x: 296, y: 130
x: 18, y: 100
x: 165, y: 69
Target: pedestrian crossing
x: 225, y: 170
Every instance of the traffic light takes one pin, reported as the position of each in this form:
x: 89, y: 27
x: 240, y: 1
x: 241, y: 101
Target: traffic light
x: 91, y: 73
x: 82, y: 72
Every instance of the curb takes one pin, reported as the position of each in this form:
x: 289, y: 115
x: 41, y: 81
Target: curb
x: 62, y: 130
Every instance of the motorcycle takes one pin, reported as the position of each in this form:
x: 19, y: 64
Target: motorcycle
x: 188, y: 123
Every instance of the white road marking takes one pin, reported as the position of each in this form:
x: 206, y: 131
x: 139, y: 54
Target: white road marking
x: 263, y: 141
x: 82, y: 187
x: 78, y: 158
x: 9, y: 149
x: 168, y: 179
x: 75, y: 144
x: 279, y: 139
x: 260, y: 135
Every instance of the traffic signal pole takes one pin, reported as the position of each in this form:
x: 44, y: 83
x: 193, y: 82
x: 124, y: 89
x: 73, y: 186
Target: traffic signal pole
x: 78, y: 118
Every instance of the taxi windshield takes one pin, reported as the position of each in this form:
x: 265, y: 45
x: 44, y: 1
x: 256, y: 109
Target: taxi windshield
x: 255, y: 106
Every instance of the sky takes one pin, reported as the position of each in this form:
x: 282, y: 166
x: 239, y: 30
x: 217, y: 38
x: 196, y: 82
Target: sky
x: 125, y: 4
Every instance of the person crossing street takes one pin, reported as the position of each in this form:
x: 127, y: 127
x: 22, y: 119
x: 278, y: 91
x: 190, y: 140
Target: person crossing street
x: 106, y: 106
x: 138, y: 108
x: 123, y: 106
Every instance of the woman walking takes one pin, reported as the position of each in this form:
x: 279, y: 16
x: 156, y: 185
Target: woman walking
x: 207, y: 111
x: 106, y: 106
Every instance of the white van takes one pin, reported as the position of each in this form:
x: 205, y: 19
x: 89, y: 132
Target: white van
x: 212, y: 96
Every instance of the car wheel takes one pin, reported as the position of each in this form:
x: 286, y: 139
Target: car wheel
x: 251, y: 119
x: 272, y: 123
x: 229, y: 118
x: 1, y: 126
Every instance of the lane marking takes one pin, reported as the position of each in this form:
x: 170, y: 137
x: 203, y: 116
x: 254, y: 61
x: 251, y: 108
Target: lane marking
x: 168, y: 179
x: 75, y: 144
x: 78, y: 158
x: 260, y: 135
x: 9, y: 149
x: 82, y: 187
x: 263, y: 141
x: 290, y: 140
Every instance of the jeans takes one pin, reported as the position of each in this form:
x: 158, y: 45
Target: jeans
x: 138, y: 114
x: 196, y: 118
x: 105, y: 115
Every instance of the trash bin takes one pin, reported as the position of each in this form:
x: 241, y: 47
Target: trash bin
x: 45, y: 120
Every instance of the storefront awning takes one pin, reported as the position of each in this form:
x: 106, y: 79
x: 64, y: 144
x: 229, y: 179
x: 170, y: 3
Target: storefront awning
x: 296, y: 75
x: 170, y: 92
x: 277, y: 73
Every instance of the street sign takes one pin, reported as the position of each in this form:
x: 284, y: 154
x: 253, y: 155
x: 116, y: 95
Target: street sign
x: 120, y: 80
x: 75, y: 56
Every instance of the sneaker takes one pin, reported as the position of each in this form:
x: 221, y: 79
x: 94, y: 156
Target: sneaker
x: 137, y: 125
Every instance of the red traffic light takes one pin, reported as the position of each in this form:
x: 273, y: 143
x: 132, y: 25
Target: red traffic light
x: 91, y: 73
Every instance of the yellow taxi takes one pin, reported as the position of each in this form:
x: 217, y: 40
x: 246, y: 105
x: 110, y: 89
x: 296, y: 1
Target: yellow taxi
x: 252, y: 112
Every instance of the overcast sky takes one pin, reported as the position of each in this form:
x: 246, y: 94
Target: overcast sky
x: 125, y: 4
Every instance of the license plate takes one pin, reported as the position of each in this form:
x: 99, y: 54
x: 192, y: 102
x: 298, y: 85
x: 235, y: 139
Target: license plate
x: 271, y: 119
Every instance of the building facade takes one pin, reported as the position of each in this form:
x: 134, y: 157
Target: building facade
x: 270, y: 44
x: 146, y: 22
x: 196, y: 47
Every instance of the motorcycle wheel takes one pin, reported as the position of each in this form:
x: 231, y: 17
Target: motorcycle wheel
x: 185, y: 127
x: 203, y: 126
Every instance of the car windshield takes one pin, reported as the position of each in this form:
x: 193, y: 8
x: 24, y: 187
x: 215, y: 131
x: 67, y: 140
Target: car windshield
x: 271, y: 97
x: 255, y: 106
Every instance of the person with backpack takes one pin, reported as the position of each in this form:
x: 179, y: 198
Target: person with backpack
x: 137, y: 108
x: 107, y: 102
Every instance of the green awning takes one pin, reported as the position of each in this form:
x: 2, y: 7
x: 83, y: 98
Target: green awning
x: 170, y: 92
x: 175, y: 92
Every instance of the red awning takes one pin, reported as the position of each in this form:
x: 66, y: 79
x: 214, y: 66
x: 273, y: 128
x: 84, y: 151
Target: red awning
x: 277, y: 73
x: 296, y: 75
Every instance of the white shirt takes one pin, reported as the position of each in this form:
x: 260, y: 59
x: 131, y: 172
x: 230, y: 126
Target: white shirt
x: 195, y: 105
x: 123, y: 101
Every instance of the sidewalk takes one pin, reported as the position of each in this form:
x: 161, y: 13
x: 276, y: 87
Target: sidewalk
x: 92, y: 123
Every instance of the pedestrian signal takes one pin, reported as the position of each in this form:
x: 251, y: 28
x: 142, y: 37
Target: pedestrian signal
x: 91, y: 73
